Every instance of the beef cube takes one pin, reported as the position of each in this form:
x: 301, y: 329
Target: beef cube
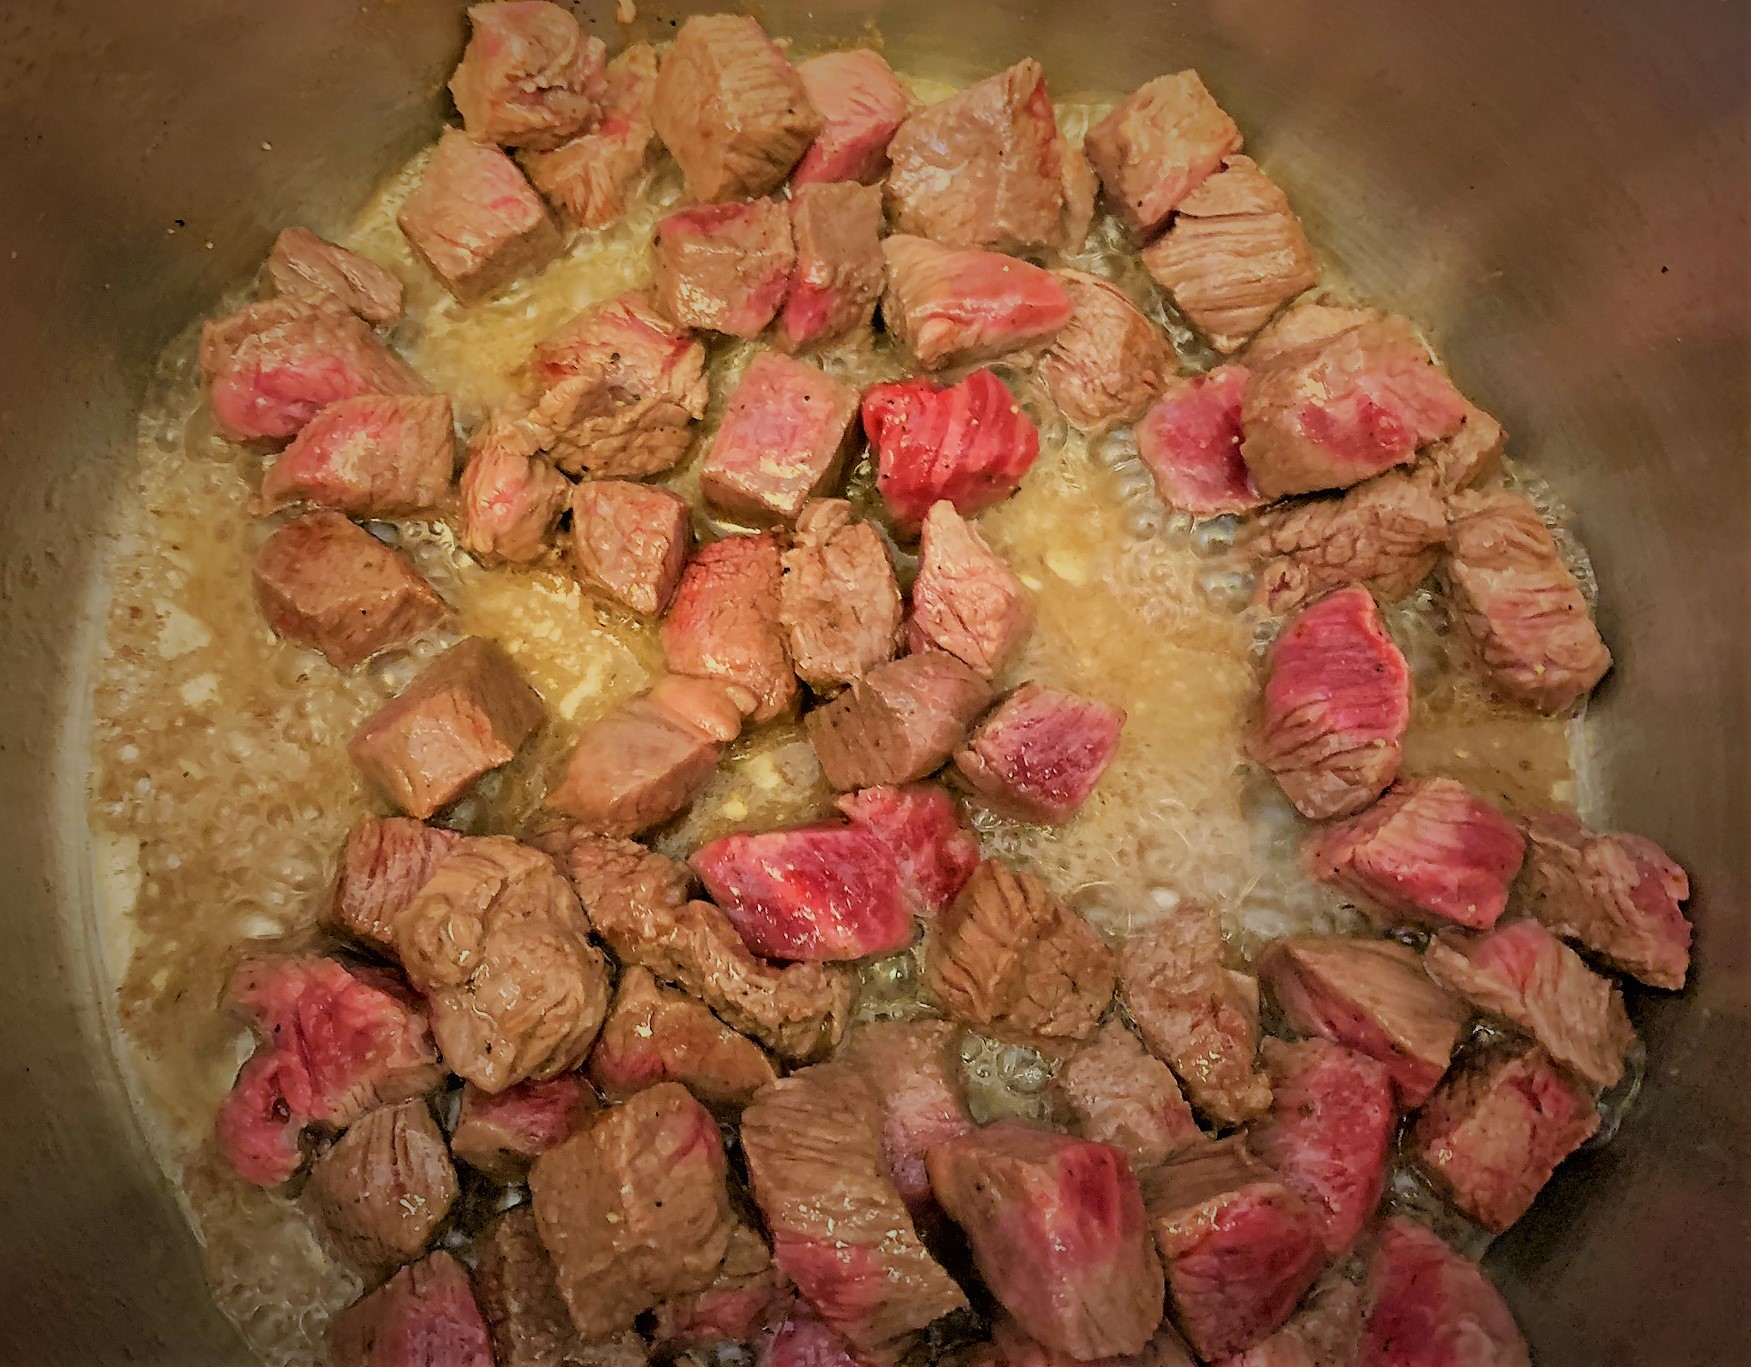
x: 1239, y: 1245
x: 634, y: 1209
x: 1526, y: 616
x: 861, y: 103
x: 967, y: 444
x: 655, y: 1035
x: 1431, y: 851
x: 1617, y: 896
x: 423, y: 1316
x: 731, y: 110
x: 955, y: 306
x: 914, y: 1066
x: 307, y: 267
x: 528, y: 77
x: 1058, y: 1233
x: 1011, y: 960
x: 801, y: 1339
x: 386, y: 861
x: 918, y: 823
x: 519, y: 1295
x: 386, y: 1185
x: 335, y: 1043
x: 1190, y: 440
x: 272, y: 367
x: 1110, y: 362
x: 1304, y: 325
x: 725, y: 267
x: 839, y: 1229
x: 1325, y: 1332
x: 1373, y: 996
x: 899, y: 722
x: 965, y: 600
x: 501, y: 1135
x: 724, y: 622
x: 782, y: 440
x: 1337, y: 700
x: 1335, y: 413
x: 840, y: 270
x: 1081, y: 188
x: 475, y: 221
x: 588, y: 178
x: 1429, y: 1307
x: 326, y: 583
x: 1233, y: 256
x: 499, y: 945
x: 1469, y: 456
x: 1161, y: 142
x: 747, y: 1291
x: 1040, y: 753
x: 1524, y: 973
x: 1329, y: 1132
x: 1011, y: 1347
x: 372, y: 456
x: 1125, y: 1097
x: 511, y: 499
x: 838, y: 600
x: 631, y: 540
x: 1196, y: 1016
x: 467, y: 713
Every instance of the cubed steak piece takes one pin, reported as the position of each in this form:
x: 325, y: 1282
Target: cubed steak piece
x: 724, y: 622
x: 528, y: 77
x: 968, y: 444
x: 1011, y: 1346
x: 1337, y: 700
x: 631, y: 541
x: 634, y: 1209
x: 840, y: 270
x: 965, y: 599
x: 525, y: 1314
x: 1123, y: 1096
x: 802, y: 1339
x: 467, y: 713
x: 900, y: 722
x: 1190, y: 440
x: 1329, y: 1132
x: 1335, y: 413
x: 1058, y: 1233
x: 782, y: 441
x: 914, y: 1065
x: 861, y: 103
x: 747, y: 1291
x: 1469, y: 455
x: 1325, y: 1332
x: 334, y: 1043
x: 838, y: 599
x: 1161, y: 142
x: 326, y: 583
x: 1373, y: 996
x: 475, y: 221
x: 386, y: 1186
x: 731, y: 110
x: 725, y: 267
x: 954, y: 306
x: 1040, y: 753
x: 1431, y: 851
x: 1239, y: 1245
x: 317, y: 271
x: 918, y: 823
x: 385, y: 862
x: 1303, y: 325
x: 511, y: 497
x: 1527, y: 618
x: 588, y: 178
x: 501, y: 1135
x: 1233, y: 256
x: 374, y: 455
x: 423, y: 1316
x: 657, y: 1035
x: 1110, y: 362
x: 1430, y: 1307
x: 839, y: 1229
x: 1197, y: 1016
x: 1617, y: 896
x: 1011, y: 960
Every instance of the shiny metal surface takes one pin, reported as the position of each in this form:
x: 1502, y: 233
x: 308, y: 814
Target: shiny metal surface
x: 1561, y: 191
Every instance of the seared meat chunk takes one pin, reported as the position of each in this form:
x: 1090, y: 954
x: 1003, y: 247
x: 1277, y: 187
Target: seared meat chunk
x: 1373, y: 996
x: 1161, y: 142
x: 953, y: 307
x: 1040, y: 752
x: 914, y: 1067
x: 782, y: 441
x: 1337, y: 700
x: 1303, y: 326
x: 519, y: 1295
x: 1430, y: 1307
x: 1014, y: 962
x: 802, y: 1339
x: 1190, y: 440
x: 1012, y: 1347
x: 725, y: 267
x: 467, y: 713
x: 1325, y: 1332
x: 1058, y: 1233
x: 1430, y: 851
x: 501, y: 1135
x: 588, y: 178
x: 423, y: 1316
x: 918, y: 823
x: 747, y: 1291
x: 385, y: 863
x: 528, y: 77
x: 1110, y: 362
x: 724, y: 622
x: 371, y: 456
x: 328, y: 584
x: 1466, y: 457
x: 838, y: 600
x: 657, y: 1035
x: 965, y: 600
x: 840, y: 270
x: 731, y: 110
x: 511, y: 497
x: 475, y: 221
x: 899, y: 722
x: 307, y: 267
x: 1198, y: 1017
x: 1123, y: 1096
x: 861, y: 102
x: 386, y: 1185
x: 1525, y: 614
x: 631, y: 540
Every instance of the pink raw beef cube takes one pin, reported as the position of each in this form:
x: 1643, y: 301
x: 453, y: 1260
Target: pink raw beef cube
x: 1041, y: 752
x: 1190, y: 440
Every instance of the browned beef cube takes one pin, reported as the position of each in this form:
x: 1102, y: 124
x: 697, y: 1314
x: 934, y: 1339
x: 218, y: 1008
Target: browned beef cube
x: 386, y: 1185
x: 529, y: 77
x: 502, y: 1134
x: 328, y: 584
x: 839, y: 1229
x: 1337, y: 700
x: 782, y: 442
x: 1469, y: 455
x: 1325, y: 1332
x: 469, y: 712
x: 634, y: 1209
x: 922, y: 829
x: 1195, y: 1015
x: 1233, y: 256
x: 307, y: 267
x: 1013, y: 961
x: 915, y: 1068
x: 861, y: 103
x: 965, y: 599
x: 511, y: 498
x: 1430, y: 1307
x: 589, y: 177
x: 1161, y: 142
x: 1058, y: 1233
x: 386, y: 862
x: 746, y: 1293
x: 1108, y: 364
x: 1123, y: 1096
x: 1011, y: 1346
x: 899, y: 722
x: 403, y: 1322
x: 838, y: 599
x: 657, y: 1035
x: 725, y: 267
x: 731, y: 110
x: 952, y: 307
x: 1373, y: 996
x: 371, y: 456
x: 631, y: 540
x: 724, y: 622
x: 840, y: 270
x: 1526, y: 616
x: 1040, y: 752
x: 475, y: 220
x: 1303, y: 326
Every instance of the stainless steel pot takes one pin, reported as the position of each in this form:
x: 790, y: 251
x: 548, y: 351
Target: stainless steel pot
x: 1560, y: 190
